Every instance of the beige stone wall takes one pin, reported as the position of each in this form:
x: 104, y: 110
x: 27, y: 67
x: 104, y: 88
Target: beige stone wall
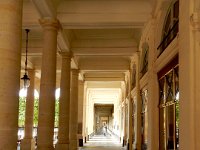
x: 152, y: 35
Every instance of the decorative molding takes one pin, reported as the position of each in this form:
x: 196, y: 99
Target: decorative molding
x: 195, y: 20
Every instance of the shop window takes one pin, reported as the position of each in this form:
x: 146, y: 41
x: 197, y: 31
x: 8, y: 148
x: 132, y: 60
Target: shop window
x: 169, y: 106
x: 170, y: 28
x: 144, y: 120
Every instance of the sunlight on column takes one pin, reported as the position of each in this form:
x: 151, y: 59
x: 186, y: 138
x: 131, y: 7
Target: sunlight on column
x: 57, y: 93
x: 23, y: 93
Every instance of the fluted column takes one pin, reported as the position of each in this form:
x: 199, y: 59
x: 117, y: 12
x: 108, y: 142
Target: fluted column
x: 10, y: 64
x: 64, y: 103
x: 28, y: 142
x: 47, y: 85
x: 74, y: 110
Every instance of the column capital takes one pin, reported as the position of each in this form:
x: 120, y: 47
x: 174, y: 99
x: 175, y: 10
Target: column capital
x: 75, y: 71
x: 50, y: 23
x: 66, y: 54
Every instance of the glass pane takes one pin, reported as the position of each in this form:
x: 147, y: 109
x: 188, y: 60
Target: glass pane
x: 170, y: 28
x: 162, y: 131
x: 176, y: 9
x: 167, y: 24
x: 169, y: 115
x: 169, y: 86
x: 170, y: 126
x: 176, y: 77
x: 145, y: 55
x: 161, y: 90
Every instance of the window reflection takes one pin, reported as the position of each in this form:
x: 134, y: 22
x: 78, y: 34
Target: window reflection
x: 169, y: 110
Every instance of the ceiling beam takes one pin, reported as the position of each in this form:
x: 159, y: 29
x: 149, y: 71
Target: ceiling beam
x: 46, y: 9
x: 104, y: 76
x: 104, y: 63
x: 104, y: 14
x: 114, y: 51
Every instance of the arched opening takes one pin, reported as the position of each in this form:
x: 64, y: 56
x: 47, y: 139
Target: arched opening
x: 170, y: 28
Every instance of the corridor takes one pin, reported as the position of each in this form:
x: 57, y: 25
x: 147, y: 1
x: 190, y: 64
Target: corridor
x: 103, y: 142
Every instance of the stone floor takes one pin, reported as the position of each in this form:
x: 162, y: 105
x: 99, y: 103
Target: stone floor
x: 103, y: 142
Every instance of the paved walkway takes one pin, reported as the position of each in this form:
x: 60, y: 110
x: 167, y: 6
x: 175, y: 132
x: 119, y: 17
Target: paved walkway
x: 102, y: 142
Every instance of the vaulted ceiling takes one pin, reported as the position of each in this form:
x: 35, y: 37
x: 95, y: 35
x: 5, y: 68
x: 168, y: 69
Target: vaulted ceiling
x: 101, y: 34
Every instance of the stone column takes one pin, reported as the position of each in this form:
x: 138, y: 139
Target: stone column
x: 74, y: 110
x: 47, y: 85
x: 28, y: 142
x: 130, y: 106
x: 125, y: 123
x: 64, y: 103
x: 10, y: 63
x: 84, y: 114
x: 80, y: 112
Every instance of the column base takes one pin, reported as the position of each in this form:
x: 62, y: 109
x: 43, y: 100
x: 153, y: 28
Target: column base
x: 128, y: 146
x: 80, y: 142
x: 60, y: 146
x: 27, y: 144
x: 124, y: 142
x: 73, y: 145
x: 45, y: 148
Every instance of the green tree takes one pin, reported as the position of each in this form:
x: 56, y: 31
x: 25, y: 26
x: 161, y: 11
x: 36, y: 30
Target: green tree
x: 36, y: 111
x: 56, y: 113
x: 22, y: 109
